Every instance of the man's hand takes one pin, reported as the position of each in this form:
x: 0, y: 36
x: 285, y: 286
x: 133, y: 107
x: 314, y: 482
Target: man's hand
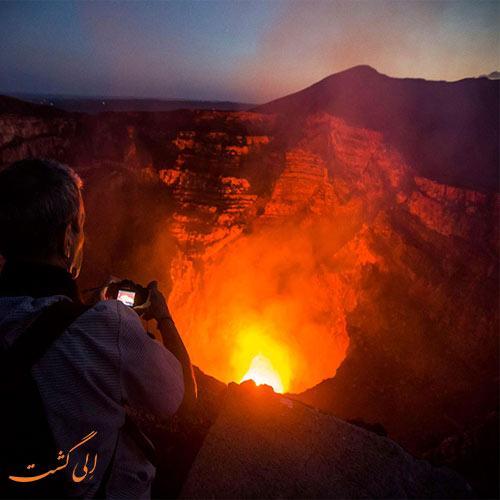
x: 158, y: 309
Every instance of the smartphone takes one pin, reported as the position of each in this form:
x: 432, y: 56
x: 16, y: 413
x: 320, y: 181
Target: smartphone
x: 127, y: 297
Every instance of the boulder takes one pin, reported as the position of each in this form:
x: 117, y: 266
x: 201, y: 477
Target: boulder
x: 264, y: 445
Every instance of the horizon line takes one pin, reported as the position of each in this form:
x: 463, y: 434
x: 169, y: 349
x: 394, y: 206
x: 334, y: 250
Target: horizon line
x: 183, y: 99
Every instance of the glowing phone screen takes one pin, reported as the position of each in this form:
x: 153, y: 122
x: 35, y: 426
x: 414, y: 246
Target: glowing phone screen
x: 127, y: 297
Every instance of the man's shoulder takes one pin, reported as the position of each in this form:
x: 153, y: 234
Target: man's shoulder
x: 104, y: 312
x: 104, y: 308
x: 112, y: 313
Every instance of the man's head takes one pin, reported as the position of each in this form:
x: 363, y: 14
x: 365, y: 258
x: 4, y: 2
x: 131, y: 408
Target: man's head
x: 42, y: 214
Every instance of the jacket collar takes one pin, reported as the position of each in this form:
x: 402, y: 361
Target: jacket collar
x: 32, y: 279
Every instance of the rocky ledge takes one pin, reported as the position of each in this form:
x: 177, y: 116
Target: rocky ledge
x: 263, y: 445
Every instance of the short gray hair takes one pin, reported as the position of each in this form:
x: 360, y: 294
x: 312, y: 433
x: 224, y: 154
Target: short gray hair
x: 38, y: 199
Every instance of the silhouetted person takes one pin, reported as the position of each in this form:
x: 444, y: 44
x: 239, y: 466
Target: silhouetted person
x: 65, y: 395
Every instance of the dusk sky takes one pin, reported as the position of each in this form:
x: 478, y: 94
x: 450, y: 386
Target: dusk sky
x: 249, y: 51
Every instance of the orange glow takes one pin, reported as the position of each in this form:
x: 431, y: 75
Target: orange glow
x: 262, y: 372
x: 262, y: 359
x: 277, y: 293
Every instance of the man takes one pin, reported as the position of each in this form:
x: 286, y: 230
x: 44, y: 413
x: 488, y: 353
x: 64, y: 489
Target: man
x: 101, y: 363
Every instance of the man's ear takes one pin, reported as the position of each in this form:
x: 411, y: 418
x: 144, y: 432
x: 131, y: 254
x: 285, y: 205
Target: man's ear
x: 68, y: 240
x: 80, y: 219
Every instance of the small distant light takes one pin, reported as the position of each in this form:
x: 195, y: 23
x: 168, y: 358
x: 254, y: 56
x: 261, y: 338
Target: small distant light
x: 104, y: 103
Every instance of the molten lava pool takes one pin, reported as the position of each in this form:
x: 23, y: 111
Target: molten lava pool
x: 260, y: 358
x: 262, y: 372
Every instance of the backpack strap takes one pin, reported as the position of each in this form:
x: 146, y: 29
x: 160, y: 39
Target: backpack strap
x: 28, y: 435
x: 35, y: 341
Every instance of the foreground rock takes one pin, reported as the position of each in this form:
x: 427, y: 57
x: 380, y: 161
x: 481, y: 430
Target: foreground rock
x: 263, y: 445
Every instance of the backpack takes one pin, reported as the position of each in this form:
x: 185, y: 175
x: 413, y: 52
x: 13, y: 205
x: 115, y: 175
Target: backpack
x: 27, y: 438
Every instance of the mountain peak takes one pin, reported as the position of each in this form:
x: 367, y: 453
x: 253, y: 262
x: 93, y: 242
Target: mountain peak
x: 404, y: 110
x: 360, y: 69
x: 360, y: 72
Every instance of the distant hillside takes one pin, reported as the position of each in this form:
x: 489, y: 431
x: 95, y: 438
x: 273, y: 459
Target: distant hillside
x: 447, y: 131
x: 13, y: 106
x: 95, y: 105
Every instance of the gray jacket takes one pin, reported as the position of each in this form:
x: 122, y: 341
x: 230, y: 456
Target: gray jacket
x: 101, y: 362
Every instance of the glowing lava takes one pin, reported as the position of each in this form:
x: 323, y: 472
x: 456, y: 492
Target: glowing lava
x: 261, y: 371
x: 260, y: 356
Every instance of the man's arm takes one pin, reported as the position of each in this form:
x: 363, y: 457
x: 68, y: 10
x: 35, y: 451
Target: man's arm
x: 151, y: 376
x: 172, y: 341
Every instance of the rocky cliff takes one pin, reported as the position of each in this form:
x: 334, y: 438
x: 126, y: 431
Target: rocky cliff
x: 371, y: 286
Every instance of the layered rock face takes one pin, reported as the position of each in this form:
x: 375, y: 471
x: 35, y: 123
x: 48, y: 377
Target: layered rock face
x: 22, y: 137
x: 328, y: 253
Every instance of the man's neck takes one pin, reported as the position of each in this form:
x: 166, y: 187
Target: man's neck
x: 36, y: 279
x: 53, y: 261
